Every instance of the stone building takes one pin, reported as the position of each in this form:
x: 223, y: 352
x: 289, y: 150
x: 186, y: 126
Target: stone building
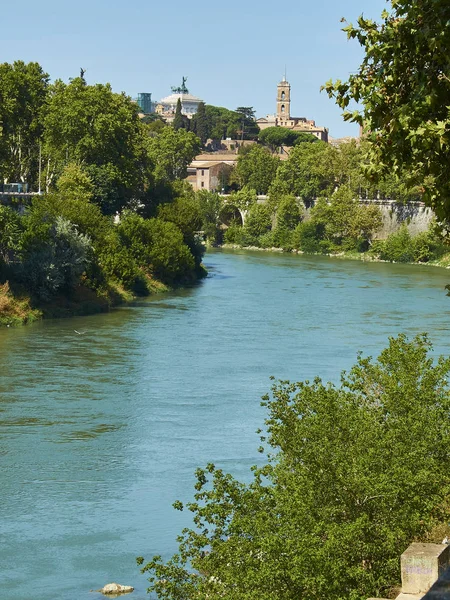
x: 283, y: 118
x: 210, y: 171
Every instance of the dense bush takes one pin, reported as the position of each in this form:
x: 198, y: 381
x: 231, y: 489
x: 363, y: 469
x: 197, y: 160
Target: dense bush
x: 354, y: 473
x: 401, y: 246
x: 55, y: 263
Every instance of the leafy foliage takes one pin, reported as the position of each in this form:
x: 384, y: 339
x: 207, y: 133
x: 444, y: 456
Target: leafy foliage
x: 344, y: 222
x: 308, y: 172
x: 54, y: 263
x: 256, y: 168
x: 171, y: 151
x: 23, y: 96
x: 276, y: 137
x: 210, y: 206
x: 353, y: 474
x: 10, y: 234
x: 93, y: 126
x: 401, y: 246
x: 403, y: 85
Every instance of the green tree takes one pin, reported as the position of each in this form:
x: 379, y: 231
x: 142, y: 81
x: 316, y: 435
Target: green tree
x: 23, y: 96
x: 75, y: 184
x: 91, y: 125
x: 201, y: 123
x: 10, y: 234
x: 403, y: 86
x: 354, y: 473
x: 308, y: 173
x: 256, y: 168
x: 171, y: 151
x: 243, y: 199
x: 288, y: 216
x: 53, y: 258
x: 222, y: 123
x: 249, y: 127
x: 178, y: 122
x: 344, y: 222
x: 210, y: 205
x: 184, y: 212
x: 276, y: 137
x: 258, y: 223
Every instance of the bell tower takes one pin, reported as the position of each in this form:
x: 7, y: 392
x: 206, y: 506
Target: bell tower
x: 283, y: 101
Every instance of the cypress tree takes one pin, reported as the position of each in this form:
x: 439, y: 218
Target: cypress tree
x: 201, y: 123
x: 178, y: 122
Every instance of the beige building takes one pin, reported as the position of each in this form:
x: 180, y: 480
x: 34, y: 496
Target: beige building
x: 210, y: 171
x: 283, y: 118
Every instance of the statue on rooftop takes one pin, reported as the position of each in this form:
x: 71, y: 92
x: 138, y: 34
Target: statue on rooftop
x: 182, y: 89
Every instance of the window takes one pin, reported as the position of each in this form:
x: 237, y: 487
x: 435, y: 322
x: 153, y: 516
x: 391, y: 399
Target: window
x: 203, y: 172
x: 282, y: 108
x: 203, y: 184
x: 283, y: 95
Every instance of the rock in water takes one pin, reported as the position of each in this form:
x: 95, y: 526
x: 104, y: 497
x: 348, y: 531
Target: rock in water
x: 116, y: 588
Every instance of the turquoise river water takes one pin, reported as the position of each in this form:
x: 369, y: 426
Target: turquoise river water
x: 101, y: 430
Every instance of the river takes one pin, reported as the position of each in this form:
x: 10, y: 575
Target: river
x: 103, y: 419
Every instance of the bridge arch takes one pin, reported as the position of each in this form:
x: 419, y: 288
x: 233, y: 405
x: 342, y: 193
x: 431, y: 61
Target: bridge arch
x: 231, y: 214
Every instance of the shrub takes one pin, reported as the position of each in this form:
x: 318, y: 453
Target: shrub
x: 55, y: 264
x: 307, y: 237
x: 398, y: 247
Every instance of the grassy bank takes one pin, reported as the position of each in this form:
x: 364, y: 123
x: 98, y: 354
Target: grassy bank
x: 18, y: 308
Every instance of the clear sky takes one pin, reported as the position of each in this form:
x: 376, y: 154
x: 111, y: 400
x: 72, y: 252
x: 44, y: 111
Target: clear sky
x: 233, y: 53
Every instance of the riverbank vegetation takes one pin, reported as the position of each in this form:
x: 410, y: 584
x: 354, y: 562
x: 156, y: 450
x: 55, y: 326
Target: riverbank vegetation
x: 318, y: 199
x: 69, y: 251
x: 353, y: 474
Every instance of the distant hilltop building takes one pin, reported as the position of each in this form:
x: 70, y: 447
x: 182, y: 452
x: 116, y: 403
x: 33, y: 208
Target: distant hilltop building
x: 189, y: 104
x: 144, y: 100
x: 283, y: 118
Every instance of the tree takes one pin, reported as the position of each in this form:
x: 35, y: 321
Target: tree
x: 258, y: 222
x: 93, y: 126
x: 10, y: 234
x: 344, y: 222
x: 201, y: 123
x: 75, y: 184
x: 404, y: 87
x: 308, y: 172
x: 276, y: 137
x: 184, y: 212
x: 353, y: 474
x: 210, y: 205
x: 171, y: 151
x: 256, y: 168
x: 178, y: 122
x: 23, y: 96
x: 222, y: 123
x: 53, y: 258
x: 249, y: 127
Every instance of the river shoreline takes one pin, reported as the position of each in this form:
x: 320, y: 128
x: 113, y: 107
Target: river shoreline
x: 17, y: 308
x: 443, y: 262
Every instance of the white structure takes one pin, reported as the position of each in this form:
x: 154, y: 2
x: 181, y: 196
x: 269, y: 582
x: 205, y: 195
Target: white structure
x: 189, y: 104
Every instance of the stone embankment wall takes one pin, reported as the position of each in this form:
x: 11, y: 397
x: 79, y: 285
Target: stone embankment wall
x: 415, y: 215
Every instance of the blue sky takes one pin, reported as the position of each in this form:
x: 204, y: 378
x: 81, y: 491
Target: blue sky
x: 233, y: 53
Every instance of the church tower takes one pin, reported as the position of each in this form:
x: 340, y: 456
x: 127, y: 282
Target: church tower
x: 283, y: 101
